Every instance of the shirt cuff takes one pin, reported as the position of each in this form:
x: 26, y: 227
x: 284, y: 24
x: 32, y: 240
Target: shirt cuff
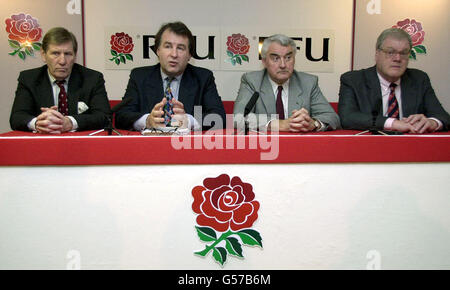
x: 440, y: 125
x: 74, y: 124
x: 32, y: 124
x: 323, y: 127
x: 141, y: 123
x: 193, y: 124
x: 388, y: 123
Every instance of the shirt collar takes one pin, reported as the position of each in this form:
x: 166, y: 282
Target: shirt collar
x: 385, y: 84
x: 275, y: 86
x: 53, y: 80
x: 164, y: 76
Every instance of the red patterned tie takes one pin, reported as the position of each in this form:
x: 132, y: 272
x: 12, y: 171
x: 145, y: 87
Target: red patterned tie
x: 393, y: 110
x: 280, y: 108
x: 62, y: 98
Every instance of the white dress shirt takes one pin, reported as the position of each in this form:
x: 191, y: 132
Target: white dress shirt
x: 32, y: 124
x: 385, y: 92
x: 141, y: 123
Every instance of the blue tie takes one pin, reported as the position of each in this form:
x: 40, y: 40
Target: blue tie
x: 168, y: 108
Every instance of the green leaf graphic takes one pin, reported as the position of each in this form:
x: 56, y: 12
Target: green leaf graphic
x: 238, y: 59
x: 233, y: 61
x: 13, y: 43
x: 250, y: 237
x: 234, y: 247
x: 36, y: 45
x: 413, y: 54
x: 113, y: 52
x: 29, y: 50
x: 420, y: 49
x: 206, y: 234
x: 22, y: 55
x: 122, y: 59
x: 230, y: 54
x: 117, y: 61
x: 129, y: 56
x: 220, y: 255
x: 245, y: 58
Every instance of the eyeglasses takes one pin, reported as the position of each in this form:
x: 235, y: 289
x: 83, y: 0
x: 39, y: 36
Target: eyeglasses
x: 392, y: 53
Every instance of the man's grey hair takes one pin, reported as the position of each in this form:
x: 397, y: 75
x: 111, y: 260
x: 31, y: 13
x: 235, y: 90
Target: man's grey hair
x: 281, y: 39
x: 395, y: 33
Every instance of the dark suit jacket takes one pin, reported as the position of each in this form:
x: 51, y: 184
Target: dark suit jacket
x: 360, y: 99
x: 145, y: 87
x: 35, y: 91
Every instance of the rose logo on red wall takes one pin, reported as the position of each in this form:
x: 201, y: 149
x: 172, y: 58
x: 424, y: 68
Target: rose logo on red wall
x: 226, y: 211
x: 417, y: 34
x: 121, y: 47
x: 24, y: 34
x: 237, y: 48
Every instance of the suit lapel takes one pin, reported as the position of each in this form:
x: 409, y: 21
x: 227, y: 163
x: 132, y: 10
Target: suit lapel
x: 408, y: 95
x: 374, y: 89
x: 74, y: 91
x: 267, y: 95
x: 44, y: 90
x: 295, y: 100
x: 153, y: 88
x: 186, y: 93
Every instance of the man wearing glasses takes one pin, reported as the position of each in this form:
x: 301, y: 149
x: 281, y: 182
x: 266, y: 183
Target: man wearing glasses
x: 288, y: 100
x: 390, y: 96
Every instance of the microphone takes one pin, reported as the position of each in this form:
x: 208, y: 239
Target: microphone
x: 251, y: 103
x: 376, y: 110
x: 109, y: 124
x: 122, y: 104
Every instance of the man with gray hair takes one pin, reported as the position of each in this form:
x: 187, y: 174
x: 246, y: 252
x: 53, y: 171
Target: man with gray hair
x: 390, y: 96
x: 289, y: 100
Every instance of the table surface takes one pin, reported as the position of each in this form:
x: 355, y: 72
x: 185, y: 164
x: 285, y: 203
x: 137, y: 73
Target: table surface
x: 219, y: 147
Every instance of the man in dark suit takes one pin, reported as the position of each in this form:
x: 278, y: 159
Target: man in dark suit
x: 390, y: 96
x: 190, y: 86
x: 60, y: 96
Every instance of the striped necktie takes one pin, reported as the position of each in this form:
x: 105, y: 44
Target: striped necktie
x: 393, y: 109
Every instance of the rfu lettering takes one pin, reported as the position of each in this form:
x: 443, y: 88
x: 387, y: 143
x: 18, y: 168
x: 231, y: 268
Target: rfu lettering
x: 308, y: 48
x: 148, y: 39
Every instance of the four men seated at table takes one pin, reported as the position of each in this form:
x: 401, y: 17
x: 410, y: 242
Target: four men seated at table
x: 63, y: 96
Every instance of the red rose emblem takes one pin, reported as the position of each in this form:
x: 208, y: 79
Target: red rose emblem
x: 121, y: 42
x: 238, y: 44
x: 22, y: 28
x: 225, y: 204
x: 414, y: 29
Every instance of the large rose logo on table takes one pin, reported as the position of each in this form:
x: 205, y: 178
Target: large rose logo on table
x: 225, y: 207
x: 24, y: 34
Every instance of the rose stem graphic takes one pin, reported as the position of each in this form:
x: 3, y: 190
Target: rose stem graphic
x: 209, y: 248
